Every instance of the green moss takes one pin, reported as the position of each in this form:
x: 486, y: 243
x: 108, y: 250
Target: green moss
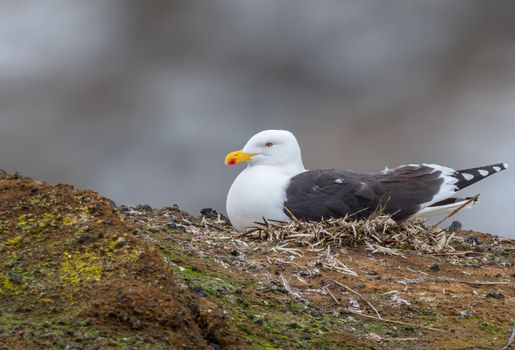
x: 381, y: 328
x: 237, y: 295
x: 262, y: 344
x: 79, y: 268
x: 65, y: 332
x: 486, y: 327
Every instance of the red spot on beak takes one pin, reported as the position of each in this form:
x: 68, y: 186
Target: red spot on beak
x: 232, y: 161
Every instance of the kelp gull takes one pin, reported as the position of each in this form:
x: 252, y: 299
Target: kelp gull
x: 275, y: 185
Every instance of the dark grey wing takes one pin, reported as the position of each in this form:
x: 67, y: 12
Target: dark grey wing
x: 317, y: 194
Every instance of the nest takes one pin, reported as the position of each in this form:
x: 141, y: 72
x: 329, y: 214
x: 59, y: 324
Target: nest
x: 378, y: 234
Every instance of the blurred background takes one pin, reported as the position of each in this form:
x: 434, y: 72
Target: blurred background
x: 141, y: 100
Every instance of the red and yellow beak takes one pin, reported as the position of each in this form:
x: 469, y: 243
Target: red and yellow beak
x: 237, y: 157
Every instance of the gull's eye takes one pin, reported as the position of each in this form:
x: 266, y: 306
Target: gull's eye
x: 269, y: 144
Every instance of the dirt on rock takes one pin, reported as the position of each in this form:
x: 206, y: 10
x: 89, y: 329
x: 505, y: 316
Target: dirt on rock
x: 77, y: 272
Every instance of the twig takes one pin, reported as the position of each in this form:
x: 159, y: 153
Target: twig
x: 400, y: 339
x: 398, y: 322
x: 485, y: 283
x: 246, y: 233
x: 361, y: 296
x: 456, y: 253
x: 290, y: 290
x: 293, y: 251
x: 471, y: 200
x: 291, y: 215
x: 331, y: 294
x: 510, y: 340
x: 215, y: 226
x: 356, y: 213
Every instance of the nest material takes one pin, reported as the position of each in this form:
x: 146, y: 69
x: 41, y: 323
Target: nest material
x: 379, y: 234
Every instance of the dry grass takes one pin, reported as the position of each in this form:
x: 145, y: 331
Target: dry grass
x: 378, y: 234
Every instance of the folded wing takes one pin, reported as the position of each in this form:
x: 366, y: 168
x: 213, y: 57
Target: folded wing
x: 401, y: 192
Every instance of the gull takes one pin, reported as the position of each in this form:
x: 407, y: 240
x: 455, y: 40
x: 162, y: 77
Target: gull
x: 276, y: 186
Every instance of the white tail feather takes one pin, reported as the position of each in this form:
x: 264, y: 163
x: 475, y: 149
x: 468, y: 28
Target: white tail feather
x: 441, y: 210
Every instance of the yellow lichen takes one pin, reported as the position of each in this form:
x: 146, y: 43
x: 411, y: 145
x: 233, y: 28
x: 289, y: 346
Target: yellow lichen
x: 6, y: 286
x: 14, y: 240
x: 5, y: 283
x: 46, y: 301
x: 37, y: 224
x: 48, y: 219
x: 79, y: 268
x: 85, y: 214
x: 69, y: 220
x: 26, y: 223
x: 113, y: 244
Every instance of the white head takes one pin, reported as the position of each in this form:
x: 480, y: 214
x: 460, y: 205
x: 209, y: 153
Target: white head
x: 277, y: 148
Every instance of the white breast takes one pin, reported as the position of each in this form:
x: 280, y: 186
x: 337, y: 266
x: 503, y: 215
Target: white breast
x: 257, y: 192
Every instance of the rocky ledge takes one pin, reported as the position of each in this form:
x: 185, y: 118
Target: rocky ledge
x: 77, y: 272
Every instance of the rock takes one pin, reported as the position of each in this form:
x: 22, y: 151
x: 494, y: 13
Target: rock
x: 315, y: 313
x: 144, y: 207
x: 172, y: 226
x: 463, y: 313
x: 15, y: 278
x: 111, y: 203
x: 374, y: 275
x: 374, y: 336
x: 455, y: 226
x: 472, y: 240
x: 135, y: 323
x: 495, y: 294
x: 176, y: 320
x: 435, y: 267
x: 199, y: 291
x: 194, y: 307
x: 163, y: 337
x: 119, y: 244
x: 209, y: 212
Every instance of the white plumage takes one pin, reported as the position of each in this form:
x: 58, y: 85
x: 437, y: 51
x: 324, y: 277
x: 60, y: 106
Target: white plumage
x: 259, y: 191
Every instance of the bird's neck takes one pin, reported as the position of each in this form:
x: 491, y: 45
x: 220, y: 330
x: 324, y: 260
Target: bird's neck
x: 289, y: 170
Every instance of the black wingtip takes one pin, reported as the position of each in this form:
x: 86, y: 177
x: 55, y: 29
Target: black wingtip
x: 467, y: 177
